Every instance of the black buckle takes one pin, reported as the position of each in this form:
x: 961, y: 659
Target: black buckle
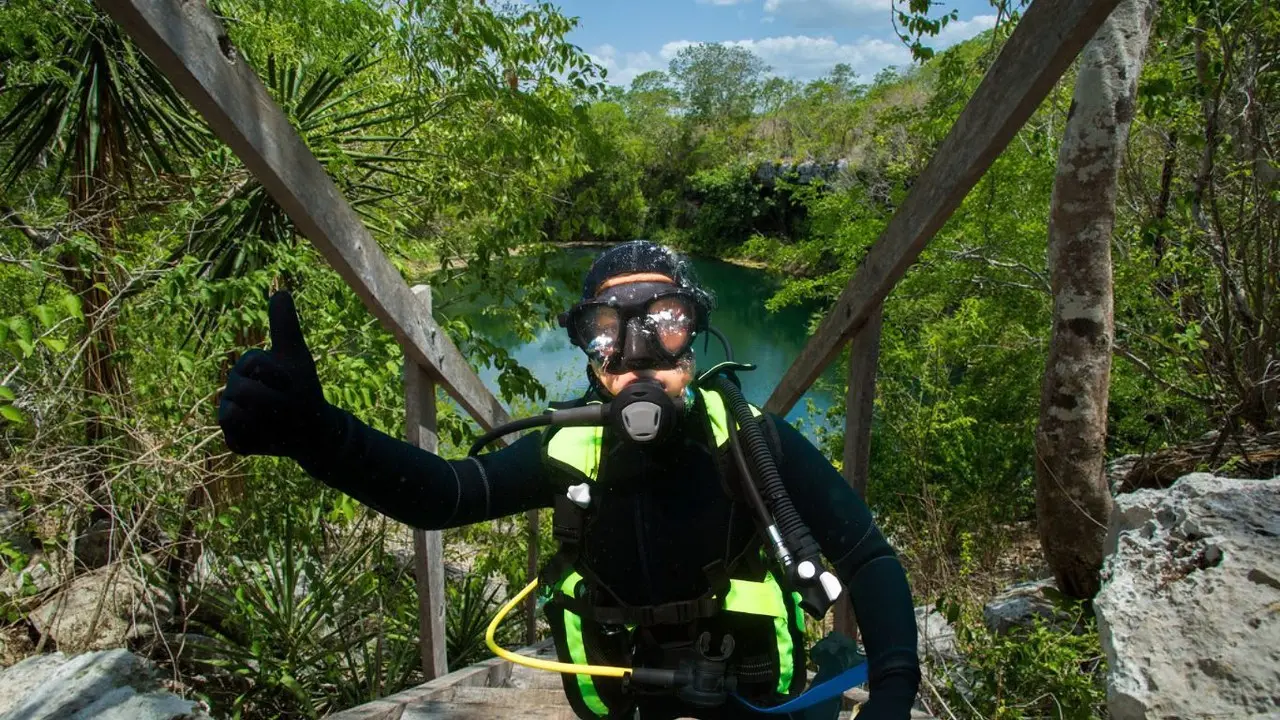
x: 567, y: 521
x: 718, y: 577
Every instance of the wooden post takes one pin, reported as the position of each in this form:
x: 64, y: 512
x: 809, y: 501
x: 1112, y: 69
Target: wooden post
x: 428, y: 547
x: 1042, y: 46
x: 864, y: 354
x: 531, y: 602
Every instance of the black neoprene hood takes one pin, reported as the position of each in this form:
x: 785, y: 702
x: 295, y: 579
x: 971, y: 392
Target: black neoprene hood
x: 637, y: 256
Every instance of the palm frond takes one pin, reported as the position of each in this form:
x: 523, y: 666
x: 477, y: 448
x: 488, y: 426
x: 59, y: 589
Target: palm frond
x: 107, y: 106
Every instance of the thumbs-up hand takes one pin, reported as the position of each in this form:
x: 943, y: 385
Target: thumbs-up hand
x: 273, y: 403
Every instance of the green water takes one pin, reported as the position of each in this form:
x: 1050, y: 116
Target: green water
x: 769, y: 340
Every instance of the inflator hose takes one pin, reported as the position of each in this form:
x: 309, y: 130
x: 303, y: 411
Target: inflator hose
x: 793, y: 529
x: 572, y: 668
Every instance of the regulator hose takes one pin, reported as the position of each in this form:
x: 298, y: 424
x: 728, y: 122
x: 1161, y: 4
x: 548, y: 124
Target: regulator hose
x: 513, y: 426
x: 815, y: 593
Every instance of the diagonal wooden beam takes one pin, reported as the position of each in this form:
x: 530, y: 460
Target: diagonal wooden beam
x: 190, y: 46
x: 1041, y: 48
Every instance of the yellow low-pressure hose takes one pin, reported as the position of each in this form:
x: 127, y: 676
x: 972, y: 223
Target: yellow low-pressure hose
x: 527, y: 661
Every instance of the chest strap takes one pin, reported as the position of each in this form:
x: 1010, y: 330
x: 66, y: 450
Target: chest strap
x: 674, y: 613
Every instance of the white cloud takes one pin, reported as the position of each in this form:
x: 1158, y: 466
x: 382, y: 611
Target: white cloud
x: 624, y: 67
x: 957, y: 31
x: 673, y: 48
x: 829, y: 13
x: 805, y: 57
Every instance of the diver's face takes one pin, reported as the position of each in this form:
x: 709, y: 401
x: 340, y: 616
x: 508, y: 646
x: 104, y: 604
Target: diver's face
x: 673, y: 380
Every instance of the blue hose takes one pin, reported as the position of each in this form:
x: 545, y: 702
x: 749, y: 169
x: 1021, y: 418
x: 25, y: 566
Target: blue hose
x: 853, y: 677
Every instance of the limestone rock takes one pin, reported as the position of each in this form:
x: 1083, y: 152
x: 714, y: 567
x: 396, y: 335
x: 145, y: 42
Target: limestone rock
x: 935, y: 638
x: 802, y: 173
x: 1118, y: 469
x: 14, y: 645
x: 108, y: 685
x: 1189, y: 611
x: 1021, y: 604
x: 131, y: 608
x: 25, y: 586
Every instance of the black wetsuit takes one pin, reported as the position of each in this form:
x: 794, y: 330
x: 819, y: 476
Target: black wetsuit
x: 663, y: 517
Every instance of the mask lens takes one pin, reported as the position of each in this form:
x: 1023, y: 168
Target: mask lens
x: 671, y: 320
x: 597, y: 326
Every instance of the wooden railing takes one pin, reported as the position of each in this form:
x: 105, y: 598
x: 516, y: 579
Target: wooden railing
x: 1044, y: 43
x: 192, y: 49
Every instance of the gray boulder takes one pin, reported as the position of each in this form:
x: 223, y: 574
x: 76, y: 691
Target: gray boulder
x: 108, y: 685
x: 935, y: 638
x: 104, y: 608
x: 1189, y: 611
x: 25, y: 586
x: 1118, y: 469
x: 1020, y: 605
x: 803, y: 173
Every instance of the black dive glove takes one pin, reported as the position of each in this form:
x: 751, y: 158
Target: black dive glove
x: 273, y: 403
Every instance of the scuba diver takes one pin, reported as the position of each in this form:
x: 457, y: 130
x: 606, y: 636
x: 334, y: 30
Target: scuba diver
x: 694, y: 530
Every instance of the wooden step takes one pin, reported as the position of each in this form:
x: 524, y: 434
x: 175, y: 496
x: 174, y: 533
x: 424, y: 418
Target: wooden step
x: 475, y: 703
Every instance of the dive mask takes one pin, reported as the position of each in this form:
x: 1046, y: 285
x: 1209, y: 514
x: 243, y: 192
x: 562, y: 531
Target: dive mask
x: 634, y: 326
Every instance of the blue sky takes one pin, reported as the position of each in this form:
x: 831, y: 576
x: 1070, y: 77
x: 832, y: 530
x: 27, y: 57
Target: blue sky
x: 802, y: 39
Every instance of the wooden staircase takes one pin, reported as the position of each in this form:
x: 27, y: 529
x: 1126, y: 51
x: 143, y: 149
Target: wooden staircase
x: 499, y: 689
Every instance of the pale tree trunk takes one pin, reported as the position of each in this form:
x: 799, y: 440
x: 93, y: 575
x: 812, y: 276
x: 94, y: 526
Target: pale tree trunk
x: 1072, y: 497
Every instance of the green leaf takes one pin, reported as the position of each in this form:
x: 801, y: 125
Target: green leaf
x: 6, y: 393
x: 21, y: 327
x: 185, y: 363
x: 45, y: 315
x: 11, y: 413
x: 55, y: 344
x: 72, y: 304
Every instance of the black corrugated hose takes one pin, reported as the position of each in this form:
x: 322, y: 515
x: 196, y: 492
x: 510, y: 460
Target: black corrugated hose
x: 795, y: 533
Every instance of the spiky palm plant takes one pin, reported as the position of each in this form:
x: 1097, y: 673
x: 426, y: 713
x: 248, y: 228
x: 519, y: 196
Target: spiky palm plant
x: 331, y: 109
x: 99, y: 115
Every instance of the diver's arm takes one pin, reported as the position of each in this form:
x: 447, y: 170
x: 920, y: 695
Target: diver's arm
x: 273, y: 404
x: 418, y: 488
x: 843, y: 527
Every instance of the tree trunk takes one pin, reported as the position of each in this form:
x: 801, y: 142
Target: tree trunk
x: 1073, y: 501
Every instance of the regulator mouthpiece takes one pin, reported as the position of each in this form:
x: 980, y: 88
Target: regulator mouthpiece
x: 644, y: 413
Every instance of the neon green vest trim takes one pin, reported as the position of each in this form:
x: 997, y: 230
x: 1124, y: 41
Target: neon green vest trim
x: 755, y: 598
x: 579, y: 448
x: 719, y: 416
x: 578, y: 650
x: 765, y: 598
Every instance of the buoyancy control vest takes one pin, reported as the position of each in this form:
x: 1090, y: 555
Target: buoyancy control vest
x: 745, y: 620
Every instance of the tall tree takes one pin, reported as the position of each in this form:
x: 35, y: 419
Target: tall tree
x: 1073, y: 500
x: 718, y: 82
